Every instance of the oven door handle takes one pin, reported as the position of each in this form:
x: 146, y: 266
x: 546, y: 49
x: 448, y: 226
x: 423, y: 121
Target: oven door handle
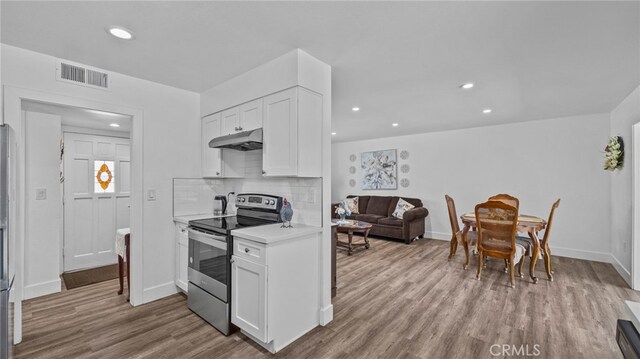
x: 208, y: 239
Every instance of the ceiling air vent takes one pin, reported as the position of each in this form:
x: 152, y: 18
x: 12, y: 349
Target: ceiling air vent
x: 81, y: 75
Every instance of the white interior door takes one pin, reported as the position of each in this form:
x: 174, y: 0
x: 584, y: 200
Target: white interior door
x: 97, y: 190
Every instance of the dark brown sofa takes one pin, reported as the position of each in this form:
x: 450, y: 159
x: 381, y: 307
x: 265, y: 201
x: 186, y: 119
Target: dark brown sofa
x: 378, y: 210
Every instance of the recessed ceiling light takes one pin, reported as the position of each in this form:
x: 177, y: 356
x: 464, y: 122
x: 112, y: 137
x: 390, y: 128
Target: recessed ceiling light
x: 355, y: 109
x: 333, y: 133
x: 487, y: 110
x: 394, y: 124
x: 114, y: 125
x: 120, y: 32
x: 467, y: 86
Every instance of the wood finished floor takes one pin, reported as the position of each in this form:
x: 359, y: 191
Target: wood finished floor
x: 394, y: 301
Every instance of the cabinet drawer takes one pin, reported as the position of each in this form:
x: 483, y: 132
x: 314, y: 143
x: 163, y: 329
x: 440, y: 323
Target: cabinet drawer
x: 251, y: 251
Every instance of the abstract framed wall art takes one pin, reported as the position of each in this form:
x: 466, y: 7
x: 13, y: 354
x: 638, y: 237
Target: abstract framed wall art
x: 379, y: 170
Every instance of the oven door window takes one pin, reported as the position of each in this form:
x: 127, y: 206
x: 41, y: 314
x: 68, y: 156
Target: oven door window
x: 210, y: 261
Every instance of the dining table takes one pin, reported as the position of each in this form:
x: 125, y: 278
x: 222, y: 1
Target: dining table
x: 528, y: 224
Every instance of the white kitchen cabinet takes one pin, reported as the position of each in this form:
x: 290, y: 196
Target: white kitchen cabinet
x: 218, y: 163
x: 275, y: 283
x: 292, y: 128
x: 182, y: 256
x: 248, y: 285
x: 251, y: 115
x: 245, y: 117
x: 211, y: 157
x: 230, y: 120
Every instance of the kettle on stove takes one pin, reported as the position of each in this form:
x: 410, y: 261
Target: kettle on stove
x: 219, y: 205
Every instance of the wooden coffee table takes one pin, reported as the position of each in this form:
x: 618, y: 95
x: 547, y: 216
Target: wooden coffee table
x: 350, y: 227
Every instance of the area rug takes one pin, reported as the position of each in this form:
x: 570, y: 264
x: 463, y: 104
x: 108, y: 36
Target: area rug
x: 84, y: 277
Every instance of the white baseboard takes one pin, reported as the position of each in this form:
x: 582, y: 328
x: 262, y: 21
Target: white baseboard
x: 159, y: 291
x: 438, y: 235
x: 581, y: 254
x: 624, y: 273
x: 565, y: 252
x: 326, y: 315
x: 40, y: 289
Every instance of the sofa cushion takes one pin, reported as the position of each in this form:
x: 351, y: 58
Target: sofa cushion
x: 402, y: 207
x: 378, y: 205
x: 351, y: 204
x: 394, y: 202
x: 363, y: 202
x: 390, y: 221
x: 369, y: 218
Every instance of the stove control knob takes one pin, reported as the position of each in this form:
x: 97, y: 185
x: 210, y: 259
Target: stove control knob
x: 272, y: 202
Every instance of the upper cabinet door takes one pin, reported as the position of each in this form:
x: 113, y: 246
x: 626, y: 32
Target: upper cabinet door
x: 251, y: 115
x: 211, y: 157
x: 230, y: 120
x: 280, y: 136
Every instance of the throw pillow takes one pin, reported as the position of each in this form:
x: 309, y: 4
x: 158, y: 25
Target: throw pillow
x: 352, y: 205
x: 402, y: 207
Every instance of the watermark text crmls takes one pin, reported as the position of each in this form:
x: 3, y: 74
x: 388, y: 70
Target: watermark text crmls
x: 515, y: 350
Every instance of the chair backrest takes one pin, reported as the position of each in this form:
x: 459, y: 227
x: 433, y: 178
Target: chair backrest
x: 549, y: 222
x: 497, y: 225
x: 507, y: 199
x: 453, y: 216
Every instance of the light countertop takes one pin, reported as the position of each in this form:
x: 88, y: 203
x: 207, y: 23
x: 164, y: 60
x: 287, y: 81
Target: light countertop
x: 633, y: 312
x: 272, y: 233
x: 193, y: 217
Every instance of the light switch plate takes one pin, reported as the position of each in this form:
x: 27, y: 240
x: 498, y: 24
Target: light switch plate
x: 41, y: 194
x: 151, y: 195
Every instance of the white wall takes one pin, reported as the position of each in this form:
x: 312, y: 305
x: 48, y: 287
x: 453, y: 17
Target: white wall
x: 171, y: 128
x: 537, y: 162
x: 42, y: 235
x: 623, y: 117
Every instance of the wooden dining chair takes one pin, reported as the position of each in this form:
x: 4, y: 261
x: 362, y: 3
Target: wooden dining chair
x: 497, y: 224
x: 544, y: 245
x: 456, y: 233
x: 506, y: 199
x: 511, y: 201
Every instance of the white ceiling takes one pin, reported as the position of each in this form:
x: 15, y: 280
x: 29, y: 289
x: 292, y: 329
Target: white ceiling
x: 82, y: 117
x: 399, y: 62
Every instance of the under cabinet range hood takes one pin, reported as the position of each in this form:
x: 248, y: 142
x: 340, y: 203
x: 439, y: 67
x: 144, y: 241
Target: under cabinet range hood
x: 241, y: 141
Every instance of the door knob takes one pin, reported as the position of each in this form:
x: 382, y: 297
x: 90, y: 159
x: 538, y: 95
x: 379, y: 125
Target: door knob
x: 264, y: 172
x: 246, y: 250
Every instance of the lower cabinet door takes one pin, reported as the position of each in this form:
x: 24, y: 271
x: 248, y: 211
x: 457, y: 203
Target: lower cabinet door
x: 183, y: 265
x: 249, y: 297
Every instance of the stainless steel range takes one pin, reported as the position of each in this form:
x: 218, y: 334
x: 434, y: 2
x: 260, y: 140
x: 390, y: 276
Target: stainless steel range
x: 210, y: 250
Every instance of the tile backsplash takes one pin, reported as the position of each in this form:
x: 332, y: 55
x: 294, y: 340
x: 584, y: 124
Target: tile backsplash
x: 195, y: 196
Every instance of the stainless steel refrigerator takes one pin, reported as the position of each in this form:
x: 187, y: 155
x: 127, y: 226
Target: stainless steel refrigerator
x: 6, y: 281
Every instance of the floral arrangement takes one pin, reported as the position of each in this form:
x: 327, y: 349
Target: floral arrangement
x: 614, y: 154
x: 342, y: 210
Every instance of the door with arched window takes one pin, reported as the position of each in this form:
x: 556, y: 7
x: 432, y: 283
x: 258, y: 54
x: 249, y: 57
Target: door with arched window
x: 96, y: 177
